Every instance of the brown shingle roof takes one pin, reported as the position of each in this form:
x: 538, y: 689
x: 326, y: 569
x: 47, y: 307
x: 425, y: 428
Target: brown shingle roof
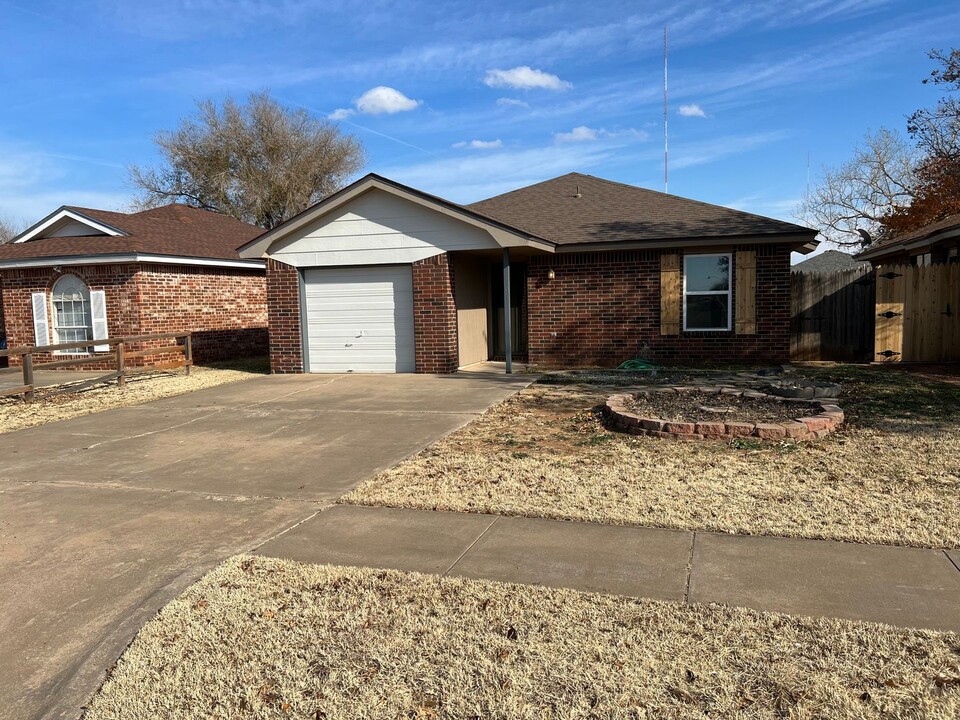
x: 896, y: 242
x: 177, y: 230
x: 608, y: 211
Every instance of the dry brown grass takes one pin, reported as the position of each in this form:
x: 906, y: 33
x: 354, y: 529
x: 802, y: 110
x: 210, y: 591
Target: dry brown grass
x: 891, y: 477
x: 263, y: 638
x: 18, y: 415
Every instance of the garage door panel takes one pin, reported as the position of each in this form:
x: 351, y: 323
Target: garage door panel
x: 359, y: 319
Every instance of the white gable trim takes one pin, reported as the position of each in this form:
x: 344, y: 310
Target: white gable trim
x: 66, y: 261
x: 63, y: 213
x: 503, y: 235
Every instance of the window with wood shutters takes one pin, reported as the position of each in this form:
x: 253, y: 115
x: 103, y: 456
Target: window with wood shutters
x: 72, y: 318
x: 706, y: 292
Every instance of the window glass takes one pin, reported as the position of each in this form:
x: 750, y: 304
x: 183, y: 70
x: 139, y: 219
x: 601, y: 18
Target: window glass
x: 707, y: 312
x: 71, y: 312
x: 706, y: 273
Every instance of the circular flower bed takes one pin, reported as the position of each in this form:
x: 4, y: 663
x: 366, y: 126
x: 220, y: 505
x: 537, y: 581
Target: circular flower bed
x: 702, y: 412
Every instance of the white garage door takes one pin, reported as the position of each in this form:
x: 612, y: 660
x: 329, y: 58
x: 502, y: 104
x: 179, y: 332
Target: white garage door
x: 360, y: 319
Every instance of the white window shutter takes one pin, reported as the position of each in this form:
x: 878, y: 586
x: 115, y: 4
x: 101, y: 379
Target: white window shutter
x: 41, y: 324
x: 98, y: 314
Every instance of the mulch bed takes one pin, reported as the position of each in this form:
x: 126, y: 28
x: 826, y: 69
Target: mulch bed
x: 699, y: 406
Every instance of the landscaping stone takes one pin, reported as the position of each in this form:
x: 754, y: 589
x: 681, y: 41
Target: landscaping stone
x: 770, y: 431
x: 711, y: 429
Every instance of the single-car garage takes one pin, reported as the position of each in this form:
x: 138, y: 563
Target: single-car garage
x: 359, y: 319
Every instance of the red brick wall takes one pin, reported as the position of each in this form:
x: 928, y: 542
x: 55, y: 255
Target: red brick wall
x: 604, y: 308
x: 117, y: 281
x: 283, y: 311
x: 224, y: 308
x: 434, y: 316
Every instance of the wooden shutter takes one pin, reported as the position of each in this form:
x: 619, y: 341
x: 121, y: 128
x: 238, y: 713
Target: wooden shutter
x: 745, y: 291
x: 670, y: 294
x: 98, y: 316
x: 41, y: 324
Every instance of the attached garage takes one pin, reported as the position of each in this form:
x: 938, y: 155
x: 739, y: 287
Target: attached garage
x: 359, y: 319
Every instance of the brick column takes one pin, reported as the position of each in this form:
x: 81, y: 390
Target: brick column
x: 435, y: 316
x: 283, y: 318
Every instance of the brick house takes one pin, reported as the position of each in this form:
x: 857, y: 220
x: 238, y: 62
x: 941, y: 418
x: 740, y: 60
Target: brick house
x: 933, y: 244
x: 84, y: 274
x: 381, y: 277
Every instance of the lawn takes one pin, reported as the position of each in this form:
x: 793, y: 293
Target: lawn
x: 890, y: 476
x: 16, y: 414
x: 264, y: 638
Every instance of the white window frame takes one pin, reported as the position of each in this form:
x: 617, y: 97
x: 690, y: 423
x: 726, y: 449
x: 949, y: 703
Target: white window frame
x: 728, y: 292
x: 54, y: 318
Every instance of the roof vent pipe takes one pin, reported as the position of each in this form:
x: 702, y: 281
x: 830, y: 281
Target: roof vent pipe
x: 578, y: 195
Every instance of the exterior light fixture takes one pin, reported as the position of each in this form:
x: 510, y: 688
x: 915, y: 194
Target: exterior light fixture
x: 551, y: 274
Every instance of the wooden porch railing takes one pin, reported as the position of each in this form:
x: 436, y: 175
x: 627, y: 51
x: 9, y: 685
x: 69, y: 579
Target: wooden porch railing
x: 119, y: 356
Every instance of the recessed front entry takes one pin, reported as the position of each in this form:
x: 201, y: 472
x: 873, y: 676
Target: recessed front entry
x: 359, y: 319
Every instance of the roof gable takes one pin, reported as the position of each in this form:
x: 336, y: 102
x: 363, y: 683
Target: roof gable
x: 583, y: 209
x: 174, y: 231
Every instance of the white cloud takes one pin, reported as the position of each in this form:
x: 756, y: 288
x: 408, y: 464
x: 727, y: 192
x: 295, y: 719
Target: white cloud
x: 341, y: 114
x: 581, y: 133
x: 524, y: 77
x: 691, y: 110
x: 383, y: 100
x: 480, y: 144
x: 511, y: 102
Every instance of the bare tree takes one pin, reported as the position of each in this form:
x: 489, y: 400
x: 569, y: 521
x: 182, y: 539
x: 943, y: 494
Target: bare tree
x: 261, y: 162
x: 937, y: 129
x: 10, y: 228
x: 857, y: 195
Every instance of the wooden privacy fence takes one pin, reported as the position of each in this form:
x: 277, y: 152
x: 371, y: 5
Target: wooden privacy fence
x: 119, y: 357
x: 830, y: 315
x: 917, y: 314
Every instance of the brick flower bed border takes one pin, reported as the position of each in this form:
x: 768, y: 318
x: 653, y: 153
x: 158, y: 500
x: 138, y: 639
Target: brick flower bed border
x: 825, y: 417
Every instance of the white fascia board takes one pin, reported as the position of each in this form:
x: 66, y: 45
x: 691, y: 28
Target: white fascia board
x: 127, y: 258
x: 259, y: 247
x: 61, y: 214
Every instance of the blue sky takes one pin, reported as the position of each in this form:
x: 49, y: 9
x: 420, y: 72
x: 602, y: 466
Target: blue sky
x: 470, y: 99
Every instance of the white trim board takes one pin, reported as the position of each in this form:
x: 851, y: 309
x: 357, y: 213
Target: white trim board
x: 66, y: 214
x: 68, y: 261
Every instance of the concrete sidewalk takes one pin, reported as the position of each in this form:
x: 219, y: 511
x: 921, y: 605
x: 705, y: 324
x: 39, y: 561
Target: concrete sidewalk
x: 901, y: 586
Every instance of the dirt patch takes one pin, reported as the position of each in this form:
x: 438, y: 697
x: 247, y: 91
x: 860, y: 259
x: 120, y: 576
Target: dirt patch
x: 264, y: 638
x: 699, y: 406
x: 15, y: 414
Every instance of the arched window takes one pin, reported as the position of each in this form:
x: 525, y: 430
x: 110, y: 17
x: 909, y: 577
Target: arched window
x: 72, y: 321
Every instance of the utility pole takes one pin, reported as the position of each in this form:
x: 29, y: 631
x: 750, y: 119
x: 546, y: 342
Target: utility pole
x: 665, y: 162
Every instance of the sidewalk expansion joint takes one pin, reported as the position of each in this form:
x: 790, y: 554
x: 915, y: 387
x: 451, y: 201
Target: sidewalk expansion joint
x: 952, y: 561
x: 471, y: 545
x: 686, y: 590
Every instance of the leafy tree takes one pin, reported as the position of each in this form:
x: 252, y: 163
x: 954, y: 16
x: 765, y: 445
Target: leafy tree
x: 936, y: 196
x: 851, y: 201
x: 260, y: 162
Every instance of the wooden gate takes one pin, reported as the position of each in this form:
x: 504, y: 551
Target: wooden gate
x: 918, y: 313
x: 830, y: 315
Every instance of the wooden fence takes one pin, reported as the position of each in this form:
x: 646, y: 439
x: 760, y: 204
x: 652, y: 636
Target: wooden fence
x: 831, y: 315
x: 917, y: 314
x: 119, y: 356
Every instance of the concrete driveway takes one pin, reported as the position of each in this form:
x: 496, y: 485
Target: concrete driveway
x: 105, y: 518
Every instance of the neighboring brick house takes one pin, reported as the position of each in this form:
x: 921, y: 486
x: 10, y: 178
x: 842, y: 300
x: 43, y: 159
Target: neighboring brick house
x: 385, y: 278
x: 83, y: 274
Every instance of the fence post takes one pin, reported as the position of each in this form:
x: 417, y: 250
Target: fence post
x: 188, y: 351
x: 28, y: 375
x: 121, y: 380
